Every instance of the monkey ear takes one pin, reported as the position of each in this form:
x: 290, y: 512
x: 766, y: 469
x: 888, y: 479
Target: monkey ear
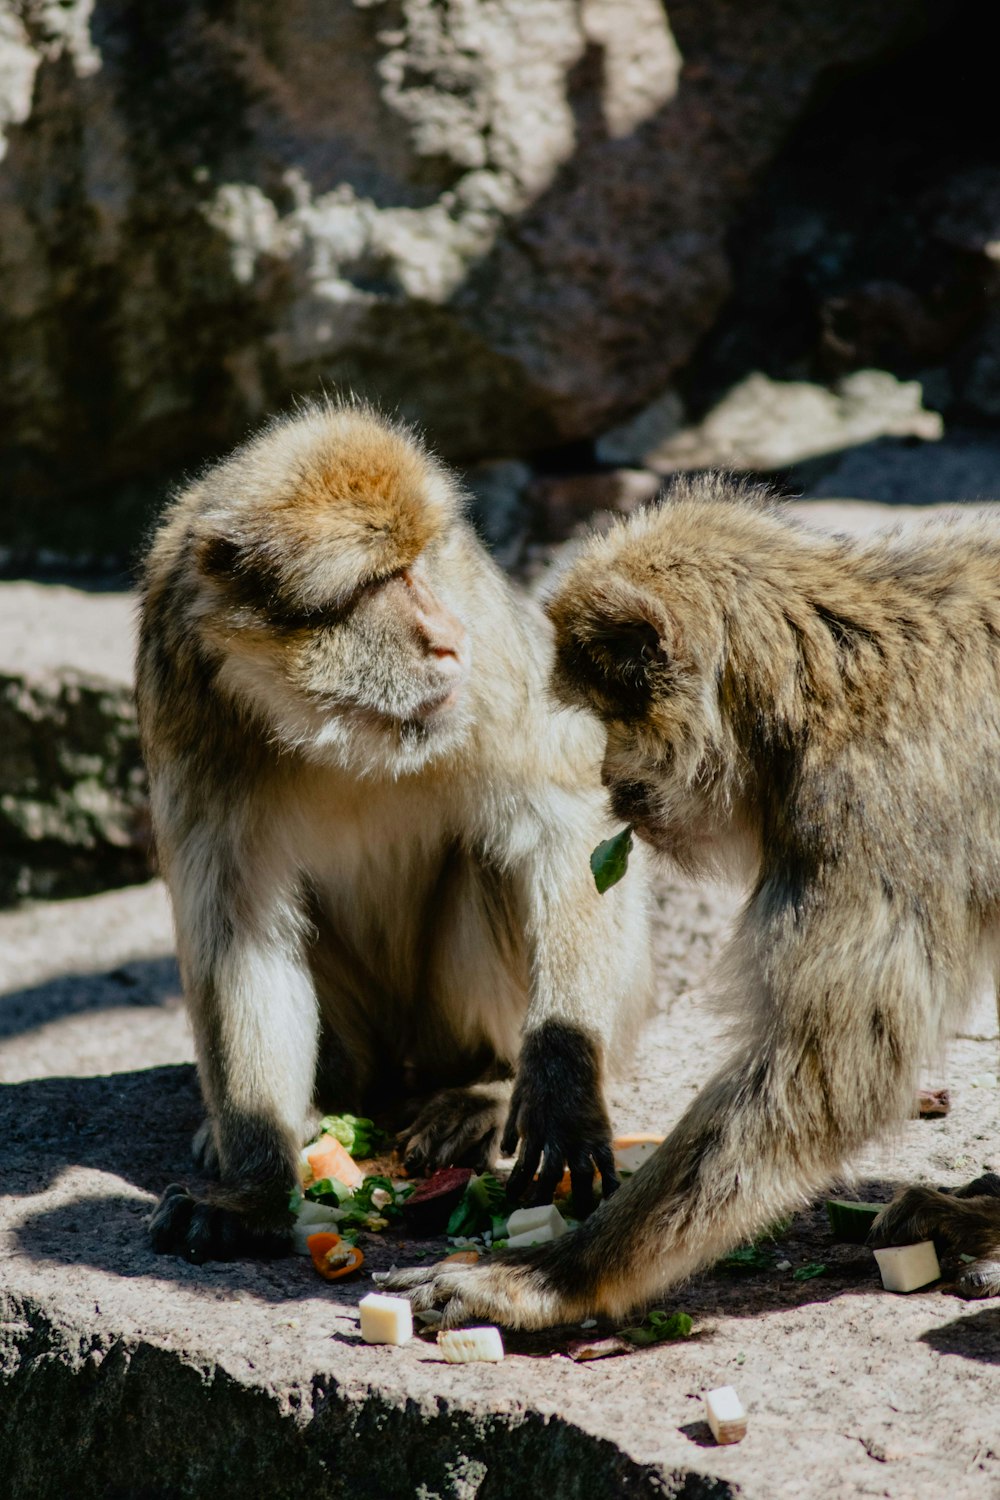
x: 619, y: 652
x: 217, y: 556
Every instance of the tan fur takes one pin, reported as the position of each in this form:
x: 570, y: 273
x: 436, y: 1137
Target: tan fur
x: 820, y: 717
x: 373, y: 822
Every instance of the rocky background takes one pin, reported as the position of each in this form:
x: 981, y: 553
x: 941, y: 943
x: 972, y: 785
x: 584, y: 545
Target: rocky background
x: 584, y: 243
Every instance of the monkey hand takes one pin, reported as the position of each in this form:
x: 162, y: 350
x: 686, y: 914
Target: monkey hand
x: 514, y: 1288
x: 558, y: 1118
x: 227, y: 1226
x: 457, y: 1127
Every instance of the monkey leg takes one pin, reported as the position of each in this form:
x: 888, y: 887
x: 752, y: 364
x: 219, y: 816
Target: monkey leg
x: 253, y: 1012
x: 961, y: 1223
x: 457, y: 1127
x: 245, y: 1216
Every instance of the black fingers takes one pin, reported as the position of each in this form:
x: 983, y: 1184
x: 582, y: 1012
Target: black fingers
x: 986, y: 1186
x: 199, y: 1230
x: 458, y: 1127
x: 525, y: 1168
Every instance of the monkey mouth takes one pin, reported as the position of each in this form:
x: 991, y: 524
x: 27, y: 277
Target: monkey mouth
x: 440, y: 703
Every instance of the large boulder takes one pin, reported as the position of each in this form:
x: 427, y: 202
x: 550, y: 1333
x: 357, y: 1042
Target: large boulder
x: 507, y: 217
x: 72, y: 789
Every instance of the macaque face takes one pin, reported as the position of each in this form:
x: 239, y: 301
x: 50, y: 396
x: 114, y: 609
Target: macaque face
x: 389, y: 672
x: 636, y: 659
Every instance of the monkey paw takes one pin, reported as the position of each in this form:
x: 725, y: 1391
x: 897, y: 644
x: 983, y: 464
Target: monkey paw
x: 199, y: 1230
x: 962, y: 1223
x: 979, y: 1278
x: 456, y: 1128
x: 513, y: 1288
x: 558, y: 1119
x: 916, y: 1214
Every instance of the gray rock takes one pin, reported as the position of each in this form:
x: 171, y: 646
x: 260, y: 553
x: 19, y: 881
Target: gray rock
x: 72, y: 787
x: 764, y: 424
x: 505, y: 218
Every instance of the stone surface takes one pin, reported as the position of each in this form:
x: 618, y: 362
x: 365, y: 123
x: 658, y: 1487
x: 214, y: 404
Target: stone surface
x: 507, y: 217
x: 130, y: 1375
x: 763, y: 424
x: 72, y: 788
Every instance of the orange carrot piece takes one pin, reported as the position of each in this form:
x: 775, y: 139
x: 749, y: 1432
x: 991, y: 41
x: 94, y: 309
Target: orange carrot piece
x: 461, y: 1258
x: 328, y: 1158
x: 332, y: 1257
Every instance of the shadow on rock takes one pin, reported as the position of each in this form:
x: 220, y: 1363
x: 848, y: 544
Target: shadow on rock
x: 143, y: 982
x: 976, y: 1336
x: 108, y: 1231
x: 135, y: 1125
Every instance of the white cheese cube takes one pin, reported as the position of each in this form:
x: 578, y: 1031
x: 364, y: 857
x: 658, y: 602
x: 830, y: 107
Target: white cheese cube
x: 904, y: 1268
x: 525, y: 1220
x: 530, y: 1237
x: 725, y: 1415
x: 460, y: 1346
x: 385, y: 1319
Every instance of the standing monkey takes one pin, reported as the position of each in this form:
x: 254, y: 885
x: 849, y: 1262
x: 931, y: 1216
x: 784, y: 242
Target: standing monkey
x: 823, y: 717
x: 374, y: 826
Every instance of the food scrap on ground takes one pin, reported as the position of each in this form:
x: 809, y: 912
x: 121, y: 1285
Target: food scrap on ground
x: 533, y: 1226
x: 333, y: 1256
x: 385, y: 1319
x: 906, y: 1268
x: 461, y: 1346
x: 725, y: 1415
x: 850, y: 1221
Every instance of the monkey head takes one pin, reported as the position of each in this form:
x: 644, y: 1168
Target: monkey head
x: 644, y: 637
x: 321, y: 552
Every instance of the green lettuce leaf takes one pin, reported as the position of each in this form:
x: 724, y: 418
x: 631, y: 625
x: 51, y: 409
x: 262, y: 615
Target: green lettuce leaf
x: 609, y: 860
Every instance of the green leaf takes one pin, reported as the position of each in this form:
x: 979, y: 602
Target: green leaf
x: 483, y: 1201
x: 328, y: 1189
x: 659, y: 1327
x: 809, y: 1270
x: 358, y: 1135
x: 609, y: 860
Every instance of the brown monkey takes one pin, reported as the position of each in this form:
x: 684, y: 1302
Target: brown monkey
x: 374, y: 826
x: 822, y: 716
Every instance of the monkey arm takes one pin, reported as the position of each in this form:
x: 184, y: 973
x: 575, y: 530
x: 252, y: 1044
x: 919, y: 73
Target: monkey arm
x: 589, y: 968
x: 827, y: 1058
x: 253, y: 1012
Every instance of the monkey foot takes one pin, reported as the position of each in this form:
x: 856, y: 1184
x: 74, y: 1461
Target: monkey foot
x: 964, y: 1222
x: 457, y: 1128
x: 198, y: 1230
x: 512, y: 1289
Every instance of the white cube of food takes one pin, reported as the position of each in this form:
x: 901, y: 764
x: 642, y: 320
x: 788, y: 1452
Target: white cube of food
x: 544, y: 1216
x: 904, y: 1268
x: 460, y: 1346
x: 725, y: 1415
x: 529, y: 1237
x: 385, y: 1319
x: 632, y: 1151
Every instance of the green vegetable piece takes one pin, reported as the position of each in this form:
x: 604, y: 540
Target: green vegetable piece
x: 359, y: 1136
x: 483, y: 1201
x: 659, y: 1327
x: 328, y: 1189
x: 809, y: 1270
x: 609, y: 860
x: 850, y: 1221
x: 746, y: 1258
